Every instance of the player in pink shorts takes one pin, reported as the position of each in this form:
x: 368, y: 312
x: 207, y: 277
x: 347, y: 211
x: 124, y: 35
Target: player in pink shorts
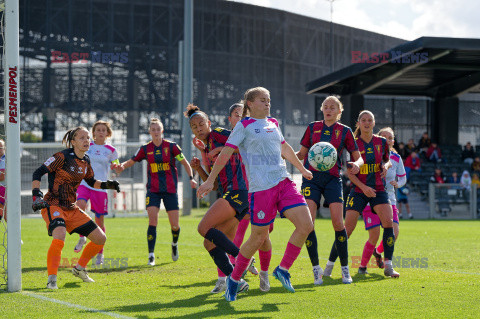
x: 395, y: 178
x: 262, y: 146
x: 101, y: 156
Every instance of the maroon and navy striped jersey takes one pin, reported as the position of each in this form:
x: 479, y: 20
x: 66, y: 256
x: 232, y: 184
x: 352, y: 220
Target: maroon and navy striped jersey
x: 161, y: 169
x: 233, y: 176
x: 374, y: 154
x: 339, y: 135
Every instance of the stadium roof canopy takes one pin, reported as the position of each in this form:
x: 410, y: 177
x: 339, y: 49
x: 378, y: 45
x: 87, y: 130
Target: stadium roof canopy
x: 428, y: 66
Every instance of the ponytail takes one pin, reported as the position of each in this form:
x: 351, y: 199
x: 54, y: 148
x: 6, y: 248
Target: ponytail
x: 70, y: 136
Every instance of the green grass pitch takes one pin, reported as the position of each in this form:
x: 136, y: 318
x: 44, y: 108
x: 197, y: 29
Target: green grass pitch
x: 447, y: 286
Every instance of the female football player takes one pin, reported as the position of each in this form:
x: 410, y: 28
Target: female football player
x: 219, y: 223
x: 370, y: 187
x: 101, y: 156
x: 262, y: 146
x: 66, y: 169
x: 162, y: 183
x: 396, y: 177
x: 329, y: 183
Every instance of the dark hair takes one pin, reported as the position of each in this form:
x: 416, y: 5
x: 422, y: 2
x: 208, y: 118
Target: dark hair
x: 70, y: 136
x: 234, y: 107
x: 357, y: 126
x: 193, y: 110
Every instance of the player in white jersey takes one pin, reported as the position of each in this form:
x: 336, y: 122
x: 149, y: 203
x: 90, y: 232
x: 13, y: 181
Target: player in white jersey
x: 395, y: 178
x: 101, y: 156
x: 2, y: 179
x: 262, y: 146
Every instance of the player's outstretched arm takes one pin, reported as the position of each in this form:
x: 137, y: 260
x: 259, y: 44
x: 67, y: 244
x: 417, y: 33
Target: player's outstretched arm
x: 220, y: 163
x: 289, y: 154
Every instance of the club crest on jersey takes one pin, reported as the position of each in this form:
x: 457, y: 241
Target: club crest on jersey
x: 261, y: 215
x: 257, y: 130
x: 337, y: 133
x: 165, y: 150
x: 369, y: 150
x: 378, y: 148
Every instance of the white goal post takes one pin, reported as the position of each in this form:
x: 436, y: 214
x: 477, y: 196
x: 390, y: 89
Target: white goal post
x: 12, y: 132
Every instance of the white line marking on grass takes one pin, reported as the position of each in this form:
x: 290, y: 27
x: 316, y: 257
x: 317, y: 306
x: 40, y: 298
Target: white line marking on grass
x: 72, y: 305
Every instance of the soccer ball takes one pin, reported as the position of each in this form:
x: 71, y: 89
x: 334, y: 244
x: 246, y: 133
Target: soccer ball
x: 322, y: 156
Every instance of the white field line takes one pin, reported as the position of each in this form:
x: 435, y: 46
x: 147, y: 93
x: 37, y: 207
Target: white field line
x: 72, y: 305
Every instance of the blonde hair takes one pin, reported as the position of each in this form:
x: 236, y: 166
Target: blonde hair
x: 357, y: 126
x: 250, y: 95
x: 107, y: 125
x: 155, y: 121
x: 389, y: 130
x: 337, y: 101
x: 70, y: 135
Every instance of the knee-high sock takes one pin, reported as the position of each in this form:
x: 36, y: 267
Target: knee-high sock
x: 291, y: 254
x: 221, y: 260
x: 240, y: 267
x: 333, y: 253
x: 388, y: 242
x: 312, y: 248
x: 240, y: 234
x: 367, y: 254
x: 102, y: 228
x: 220, y: 273
x: 175, y: 235
x: 265, y: 257
x: 88, y: 252
x: 222, y: 241
x: 151, y: 238
x: 54, y: 255
x: 341, y: 242
x: 380, y: 247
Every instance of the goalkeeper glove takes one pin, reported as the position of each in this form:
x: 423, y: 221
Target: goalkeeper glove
x: 38, y: 202
x: 110, y: 185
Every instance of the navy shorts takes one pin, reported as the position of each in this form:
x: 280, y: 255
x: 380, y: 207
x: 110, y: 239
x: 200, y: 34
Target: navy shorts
x: 170, y: 201
x: 323, y: 184
x: 239, y: 201
x: 358, y: 201
x: 402, y: 200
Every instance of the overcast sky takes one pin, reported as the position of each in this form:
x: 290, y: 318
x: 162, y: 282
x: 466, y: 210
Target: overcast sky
x: 406, y: 19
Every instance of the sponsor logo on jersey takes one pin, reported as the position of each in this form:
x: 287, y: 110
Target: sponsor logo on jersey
x: 149, y: 153
x: 56, y: 213
x: 49, y: 161
x: 219, y: 129
x: 257, y: 130
x: 158, y: 167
